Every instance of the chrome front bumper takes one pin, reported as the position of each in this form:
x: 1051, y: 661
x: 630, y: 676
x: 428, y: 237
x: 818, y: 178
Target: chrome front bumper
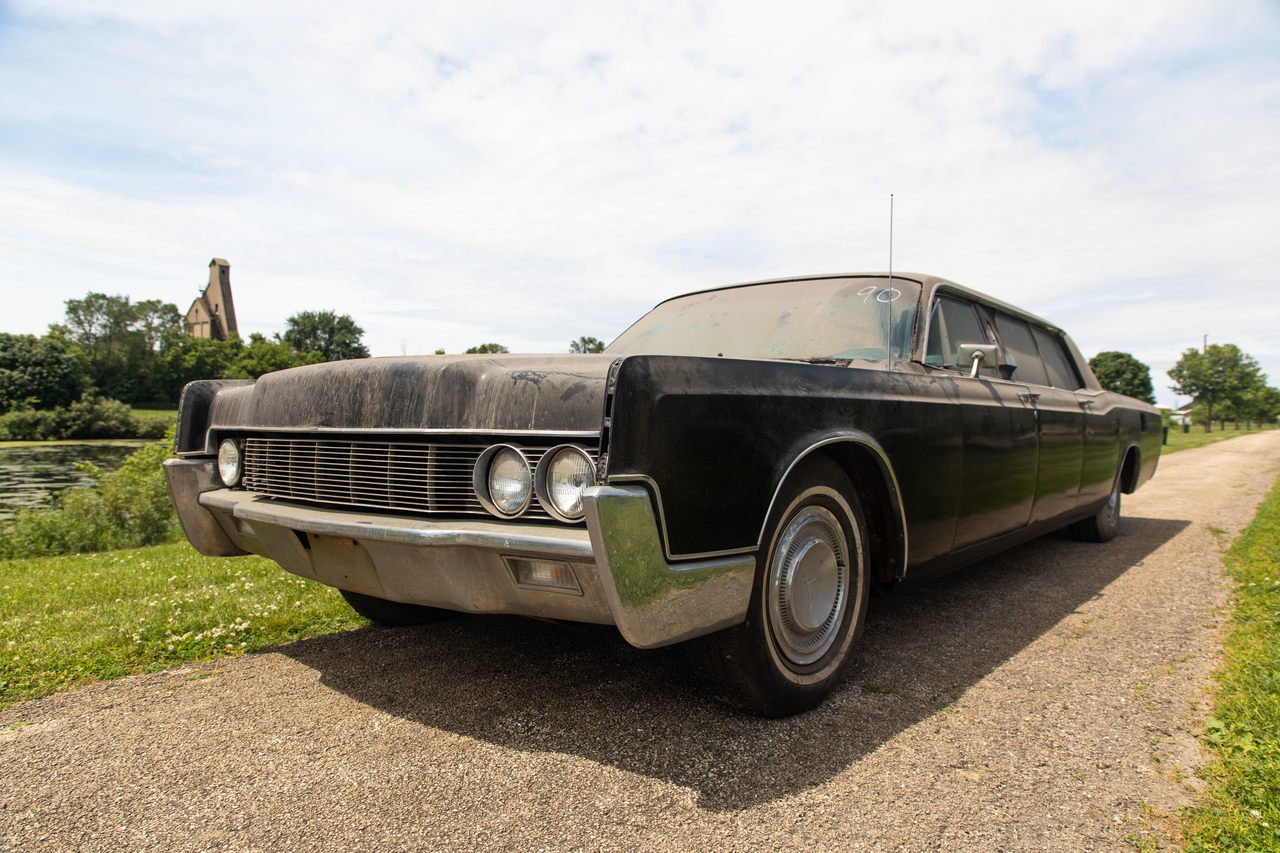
x: 622, y: 575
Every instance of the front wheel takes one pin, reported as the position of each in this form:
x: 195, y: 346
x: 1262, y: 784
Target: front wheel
x: 808, y: 604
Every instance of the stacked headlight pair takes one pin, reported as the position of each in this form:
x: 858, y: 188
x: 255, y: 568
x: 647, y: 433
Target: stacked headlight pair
x: 506, y: 484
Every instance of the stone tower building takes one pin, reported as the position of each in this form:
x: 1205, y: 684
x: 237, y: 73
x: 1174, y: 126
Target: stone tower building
x: 213, y: 314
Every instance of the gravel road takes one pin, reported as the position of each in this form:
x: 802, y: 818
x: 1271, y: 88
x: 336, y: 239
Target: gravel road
x: 1047, y: 699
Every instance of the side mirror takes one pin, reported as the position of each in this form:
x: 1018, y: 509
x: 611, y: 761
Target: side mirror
x: 977, y: 354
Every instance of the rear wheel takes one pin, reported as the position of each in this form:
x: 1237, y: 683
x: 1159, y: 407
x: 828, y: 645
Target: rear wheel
x: 808, y: 604
x: 393, y: 614
x: 1101, y: 527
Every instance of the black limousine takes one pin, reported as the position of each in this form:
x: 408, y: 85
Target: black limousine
x: 739, y: 468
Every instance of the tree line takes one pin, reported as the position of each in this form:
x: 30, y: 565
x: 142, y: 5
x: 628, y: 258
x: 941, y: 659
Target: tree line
x: 1224, y: 382
x: 110, y: 353
x: 1227, y: 385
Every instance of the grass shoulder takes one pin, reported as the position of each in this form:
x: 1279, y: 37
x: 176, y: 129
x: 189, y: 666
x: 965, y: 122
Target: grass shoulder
x: 1197, y: 437
x: 1240, y: 809
x: 69, y: 620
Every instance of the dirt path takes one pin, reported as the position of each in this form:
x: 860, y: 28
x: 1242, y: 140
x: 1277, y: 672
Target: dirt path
x: 1043, y: 700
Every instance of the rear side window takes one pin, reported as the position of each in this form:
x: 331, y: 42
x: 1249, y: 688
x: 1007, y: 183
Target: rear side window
x: 1057, y: 363
x: 1020, y: 350
x: 951, y: 323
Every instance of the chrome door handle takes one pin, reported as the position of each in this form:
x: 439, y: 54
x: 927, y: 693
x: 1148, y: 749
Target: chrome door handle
x: 1028, y: 396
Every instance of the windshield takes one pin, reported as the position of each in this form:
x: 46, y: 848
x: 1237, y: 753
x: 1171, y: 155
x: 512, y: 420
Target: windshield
x: 817, y: 319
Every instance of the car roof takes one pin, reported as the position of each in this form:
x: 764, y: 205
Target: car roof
x: 929, y: 284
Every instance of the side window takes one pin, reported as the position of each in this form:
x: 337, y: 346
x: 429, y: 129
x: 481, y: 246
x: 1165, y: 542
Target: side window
x: 1062, y: 371
x: 1020, y: 350
x: 953, y: 322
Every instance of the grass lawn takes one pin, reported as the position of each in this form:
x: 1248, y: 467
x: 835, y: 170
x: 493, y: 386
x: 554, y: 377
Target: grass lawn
x: 1240, y: 810
x: 168, y: 417
x: 159, y: 414
x: 1179, y: 440
x: 65, y: 621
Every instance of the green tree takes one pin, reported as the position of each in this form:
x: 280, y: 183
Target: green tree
x: 1268, y: 403
x: 1123, y: 374
x: 261, y: 356
x: 41, y: 372
x: 334, y: 336
x: 487, y: 348
x: 586, y: 344
x: 184, y: 359
x: 1221, y: 374
x: 120, y: 341
x: 1258, y: 404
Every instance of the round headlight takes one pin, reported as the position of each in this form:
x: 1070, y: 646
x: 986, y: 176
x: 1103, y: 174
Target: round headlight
x: 563, y: 476
x: 509, y: 482
x: 229, y: 462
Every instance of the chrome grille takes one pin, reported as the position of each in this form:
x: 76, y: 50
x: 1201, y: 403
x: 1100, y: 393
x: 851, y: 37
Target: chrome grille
x: 400, y: 476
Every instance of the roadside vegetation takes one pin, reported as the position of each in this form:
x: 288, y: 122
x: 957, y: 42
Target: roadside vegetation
x: 125, y: 508
x: 69, y: 615
x: 67, y: 621
x: 1224, y: 382
x: 90, y: 417
x: 1240, y: 810
x: 114, y: 368
x: 99, y: 373
x: 1179, y: 440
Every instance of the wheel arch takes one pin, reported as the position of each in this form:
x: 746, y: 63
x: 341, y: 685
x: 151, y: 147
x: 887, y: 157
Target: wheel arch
x: 1130, y: 467
x: 868, y: 468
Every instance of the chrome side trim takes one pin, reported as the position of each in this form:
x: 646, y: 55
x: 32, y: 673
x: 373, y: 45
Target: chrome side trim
x: 886, y: 467
x: 188, y: 479
x: 655, y: 603
x: 570, y: 543
x: 662, y: 523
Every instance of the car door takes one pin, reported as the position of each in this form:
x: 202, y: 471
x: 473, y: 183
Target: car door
x: 998, y: 467
x: 1099, y: 427
x: 1058, y: 416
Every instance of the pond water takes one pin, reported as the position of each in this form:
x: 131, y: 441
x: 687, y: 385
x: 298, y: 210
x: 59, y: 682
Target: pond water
x: 31, y: 476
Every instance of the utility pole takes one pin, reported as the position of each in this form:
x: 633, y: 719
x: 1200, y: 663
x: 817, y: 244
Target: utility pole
x: 1204, y: 348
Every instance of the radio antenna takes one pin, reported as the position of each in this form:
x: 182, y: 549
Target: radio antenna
x: 888, y: 332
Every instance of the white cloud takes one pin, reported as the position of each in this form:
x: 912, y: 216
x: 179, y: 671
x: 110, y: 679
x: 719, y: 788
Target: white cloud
x: 528, y: 173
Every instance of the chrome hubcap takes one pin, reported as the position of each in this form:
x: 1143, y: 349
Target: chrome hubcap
x: 1113, y: 504
x: 808, y: 585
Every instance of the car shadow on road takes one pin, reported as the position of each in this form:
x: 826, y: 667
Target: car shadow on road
x: 581, y: 690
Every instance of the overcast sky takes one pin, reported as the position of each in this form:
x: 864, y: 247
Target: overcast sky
x: 455, y: 173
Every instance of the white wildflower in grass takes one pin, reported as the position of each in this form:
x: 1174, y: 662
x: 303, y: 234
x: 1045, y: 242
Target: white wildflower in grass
x: 148, y: 611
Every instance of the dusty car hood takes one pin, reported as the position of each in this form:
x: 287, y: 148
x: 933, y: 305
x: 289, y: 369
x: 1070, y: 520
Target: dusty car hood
x: 471, y: 392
